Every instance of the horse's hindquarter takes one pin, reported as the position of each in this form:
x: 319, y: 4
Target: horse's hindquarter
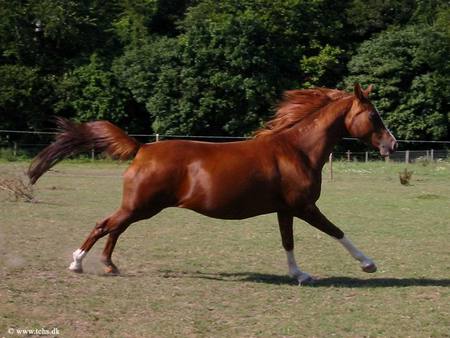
x: 223, y: 180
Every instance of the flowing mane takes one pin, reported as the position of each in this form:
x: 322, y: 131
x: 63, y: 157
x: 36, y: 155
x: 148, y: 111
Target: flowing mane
x: 298, y: 104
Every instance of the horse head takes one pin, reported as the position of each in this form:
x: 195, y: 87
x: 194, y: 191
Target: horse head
x: 364, y: 122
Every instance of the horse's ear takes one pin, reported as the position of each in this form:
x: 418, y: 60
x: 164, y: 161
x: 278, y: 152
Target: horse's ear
x: 359, y: 92
x: 368, y: 91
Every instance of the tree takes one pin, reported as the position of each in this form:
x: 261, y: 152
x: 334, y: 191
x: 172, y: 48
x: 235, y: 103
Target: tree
x: 410, y: 68
x: 140, y: 19
x: 227, y: 68
x: 368, y: 17
x: 323, y: 69
x: 24, y: 97
x: 92, y: 92
x: 54, y: 34
x: 217, y: 67
x: 39, y: 42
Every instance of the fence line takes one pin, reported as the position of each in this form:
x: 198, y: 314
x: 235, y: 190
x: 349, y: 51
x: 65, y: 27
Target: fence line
x: 6, y: 131
x: 406, y: 156
x: 163, y: 136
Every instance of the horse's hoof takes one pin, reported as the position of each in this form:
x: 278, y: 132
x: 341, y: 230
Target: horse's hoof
x: 305, y: 279
x: 75, y: 268
x: 111, y: 270
x: 371, y: 268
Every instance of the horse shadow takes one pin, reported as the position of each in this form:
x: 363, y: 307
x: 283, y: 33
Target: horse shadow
x: 338, y: 281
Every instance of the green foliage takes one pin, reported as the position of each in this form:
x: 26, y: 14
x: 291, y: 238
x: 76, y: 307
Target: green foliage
x: 53, y: 34
x: 227, y: 68
x: 91, y: 92
x: 16, y: 32
x: 426, y: 11
x: 218, y: 67
x: 410, y: 68
x: 421, y: 113
x: 131, y: 26
x: 368, y: 17
x: 60, y: 21
x: 318, y: 67
x: 142, y: 18
x: 23, y: 97
x: 144, y: 69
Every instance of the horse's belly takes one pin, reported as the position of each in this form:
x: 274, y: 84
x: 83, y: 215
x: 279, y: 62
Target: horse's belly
x: 237, y: 188
x: 239, y: 208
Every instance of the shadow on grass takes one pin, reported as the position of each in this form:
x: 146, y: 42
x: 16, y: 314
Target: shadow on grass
x: 343, y: 282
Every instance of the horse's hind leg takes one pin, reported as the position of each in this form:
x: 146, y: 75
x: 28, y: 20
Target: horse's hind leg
x: 110, y: 267
x: 114, y: 224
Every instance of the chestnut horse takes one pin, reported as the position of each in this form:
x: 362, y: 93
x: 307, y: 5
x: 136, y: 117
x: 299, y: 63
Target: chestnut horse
x: 279, y: 170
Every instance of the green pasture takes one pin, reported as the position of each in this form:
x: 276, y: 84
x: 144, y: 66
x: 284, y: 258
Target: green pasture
x: 186, y: 275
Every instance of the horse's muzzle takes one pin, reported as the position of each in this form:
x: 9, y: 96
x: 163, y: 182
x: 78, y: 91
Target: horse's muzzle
x: 389, y: 147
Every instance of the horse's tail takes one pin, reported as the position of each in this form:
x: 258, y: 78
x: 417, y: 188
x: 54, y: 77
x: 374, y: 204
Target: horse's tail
x: 74, y: 138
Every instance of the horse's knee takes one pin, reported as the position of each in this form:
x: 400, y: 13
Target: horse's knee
x: 100, y: 228
x: 100, y: 231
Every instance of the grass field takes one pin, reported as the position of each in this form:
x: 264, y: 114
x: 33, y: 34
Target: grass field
x: 190, y: 276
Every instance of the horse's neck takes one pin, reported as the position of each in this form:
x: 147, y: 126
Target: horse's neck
x: 317, y: 138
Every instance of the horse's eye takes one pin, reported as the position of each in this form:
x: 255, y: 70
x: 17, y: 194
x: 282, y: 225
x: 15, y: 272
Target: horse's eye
x: 373, y: 114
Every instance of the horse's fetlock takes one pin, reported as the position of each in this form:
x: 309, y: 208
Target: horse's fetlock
x: 105, y: 260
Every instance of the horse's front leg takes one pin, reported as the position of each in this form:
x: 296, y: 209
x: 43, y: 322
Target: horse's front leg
x: 285, y: 222
x: 313, y: 216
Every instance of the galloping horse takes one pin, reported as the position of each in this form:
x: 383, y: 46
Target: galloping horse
x: 278, y: 170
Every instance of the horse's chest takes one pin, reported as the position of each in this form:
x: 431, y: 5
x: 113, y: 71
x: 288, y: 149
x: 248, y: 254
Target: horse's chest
x: 301, y: 189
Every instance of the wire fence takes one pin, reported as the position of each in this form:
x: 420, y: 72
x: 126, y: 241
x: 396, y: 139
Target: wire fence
x: 18, y: 144
x: 406, y: 156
